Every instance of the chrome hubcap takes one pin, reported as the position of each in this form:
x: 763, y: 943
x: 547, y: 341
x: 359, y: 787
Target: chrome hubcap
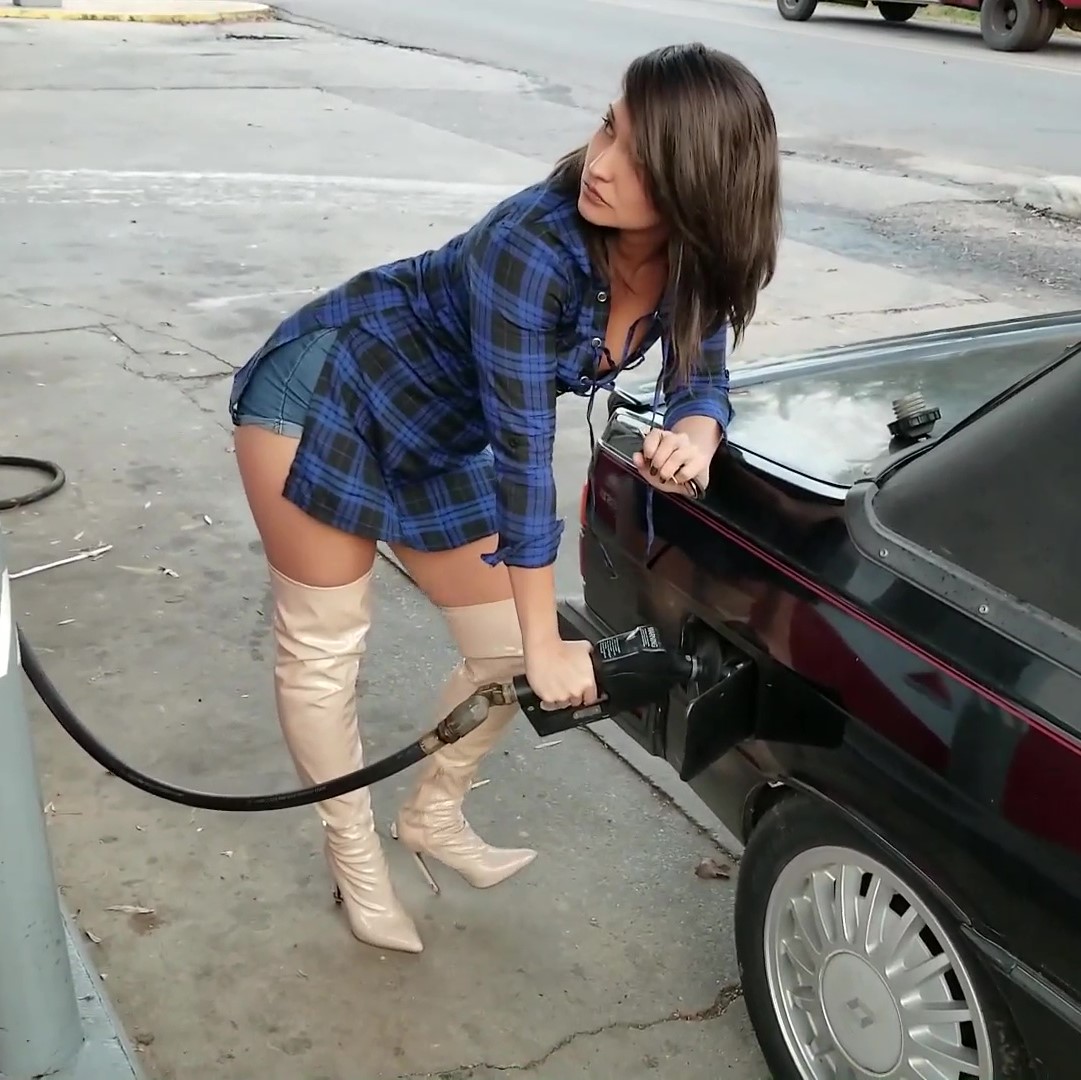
x: 865, y: 982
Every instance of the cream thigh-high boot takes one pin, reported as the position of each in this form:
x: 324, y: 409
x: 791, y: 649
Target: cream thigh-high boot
x: 320, y: 639
x: 430, y: 822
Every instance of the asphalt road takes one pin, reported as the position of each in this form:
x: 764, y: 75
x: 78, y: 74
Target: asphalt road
x: 843, y: 81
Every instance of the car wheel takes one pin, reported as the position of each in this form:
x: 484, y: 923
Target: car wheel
x: 1017, y: 25
x: 895, y: 12
x: 850, y: 971
x: 797, y: 10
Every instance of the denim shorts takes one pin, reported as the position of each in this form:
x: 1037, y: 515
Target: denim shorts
x: 280, y: 388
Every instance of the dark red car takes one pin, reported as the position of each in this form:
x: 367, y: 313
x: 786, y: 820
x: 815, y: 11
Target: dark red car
x: 890, y: 600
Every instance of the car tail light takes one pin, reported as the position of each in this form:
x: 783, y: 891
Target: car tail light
x: 582, y: 504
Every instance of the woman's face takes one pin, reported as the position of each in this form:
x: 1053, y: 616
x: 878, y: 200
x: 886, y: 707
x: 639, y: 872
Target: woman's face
x: 612, y: 194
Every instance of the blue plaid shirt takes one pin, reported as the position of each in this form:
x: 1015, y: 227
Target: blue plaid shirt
x: 434, y: 420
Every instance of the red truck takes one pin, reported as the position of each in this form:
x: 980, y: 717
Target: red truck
x: 1006, y: 25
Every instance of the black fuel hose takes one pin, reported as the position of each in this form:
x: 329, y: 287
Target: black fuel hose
x: 49, y: 468
x: 208, y: 800
x: 459, y: 722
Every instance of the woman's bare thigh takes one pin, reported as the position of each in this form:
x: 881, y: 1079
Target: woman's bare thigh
x: 457, y: 578
x: 295, y: 544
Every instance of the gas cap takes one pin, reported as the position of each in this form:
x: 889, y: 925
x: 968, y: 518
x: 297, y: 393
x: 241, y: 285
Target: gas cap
x: 914, y: 418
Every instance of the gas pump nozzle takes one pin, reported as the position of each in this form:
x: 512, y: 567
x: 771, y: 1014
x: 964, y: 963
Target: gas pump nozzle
x: 631, y: 670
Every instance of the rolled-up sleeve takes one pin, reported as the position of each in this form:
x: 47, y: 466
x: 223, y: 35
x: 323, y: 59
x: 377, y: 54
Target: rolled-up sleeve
x: 705, y: 390
x: 517, y: 290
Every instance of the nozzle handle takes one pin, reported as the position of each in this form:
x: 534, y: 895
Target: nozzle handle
x: 528, y: 698
x: 631, y: 670
x: 551, y: 720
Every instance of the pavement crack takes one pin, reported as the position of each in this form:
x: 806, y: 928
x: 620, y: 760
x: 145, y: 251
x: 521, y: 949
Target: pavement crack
x: 229, y: 368
x: 167, y: 376
x: 938, y: 305
x: 50, y: 330
x: 33, y: 301
x: 726, y: 996
x: 107, y: 321
x: 285, y: 15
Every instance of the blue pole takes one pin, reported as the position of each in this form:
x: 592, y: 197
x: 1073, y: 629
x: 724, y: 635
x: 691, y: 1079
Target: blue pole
x: 40, y: 1027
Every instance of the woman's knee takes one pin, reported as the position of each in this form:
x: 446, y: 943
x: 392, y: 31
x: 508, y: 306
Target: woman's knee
x: 298, y: 546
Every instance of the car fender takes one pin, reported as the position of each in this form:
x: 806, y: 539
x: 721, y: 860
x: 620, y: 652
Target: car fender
x: 786, y: 787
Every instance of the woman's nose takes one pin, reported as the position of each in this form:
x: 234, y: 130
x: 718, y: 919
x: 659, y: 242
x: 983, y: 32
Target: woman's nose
x: 597, y: 167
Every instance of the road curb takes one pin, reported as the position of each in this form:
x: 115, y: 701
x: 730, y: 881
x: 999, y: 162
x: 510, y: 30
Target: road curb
x: 176, y: 12
x: 1055, y: 194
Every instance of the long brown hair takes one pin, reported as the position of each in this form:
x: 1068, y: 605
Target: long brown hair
x: 706, y: 138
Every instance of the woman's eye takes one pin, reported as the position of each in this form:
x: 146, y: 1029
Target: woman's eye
x: 606, y: 123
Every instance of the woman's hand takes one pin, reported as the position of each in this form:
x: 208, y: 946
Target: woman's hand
x: 560, y: 673
x: 670, y: 460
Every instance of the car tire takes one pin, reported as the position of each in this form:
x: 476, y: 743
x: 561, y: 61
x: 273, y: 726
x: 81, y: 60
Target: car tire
x: 796, y: 10
x: 1017, y: 25
x: 895, y: 12
x: 819, y: 912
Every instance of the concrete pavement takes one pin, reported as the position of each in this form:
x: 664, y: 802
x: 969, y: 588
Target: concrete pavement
x: 171, y: 193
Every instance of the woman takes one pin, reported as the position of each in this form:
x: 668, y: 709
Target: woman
x: 415, y: 404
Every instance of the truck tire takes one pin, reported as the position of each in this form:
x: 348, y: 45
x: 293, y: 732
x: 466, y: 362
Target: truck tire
x: 1017, y: 25
x: 895, y: 12
x: 796, y: 10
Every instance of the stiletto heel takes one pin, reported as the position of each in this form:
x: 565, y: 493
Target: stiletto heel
x: 422, y: 866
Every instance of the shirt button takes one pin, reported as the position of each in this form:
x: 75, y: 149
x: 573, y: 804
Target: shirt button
x: 596, y: 343
x: 602, y: 296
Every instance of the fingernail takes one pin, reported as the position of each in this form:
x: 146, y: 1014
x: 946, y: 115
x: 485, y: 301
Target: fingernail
x: 652, y: 470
